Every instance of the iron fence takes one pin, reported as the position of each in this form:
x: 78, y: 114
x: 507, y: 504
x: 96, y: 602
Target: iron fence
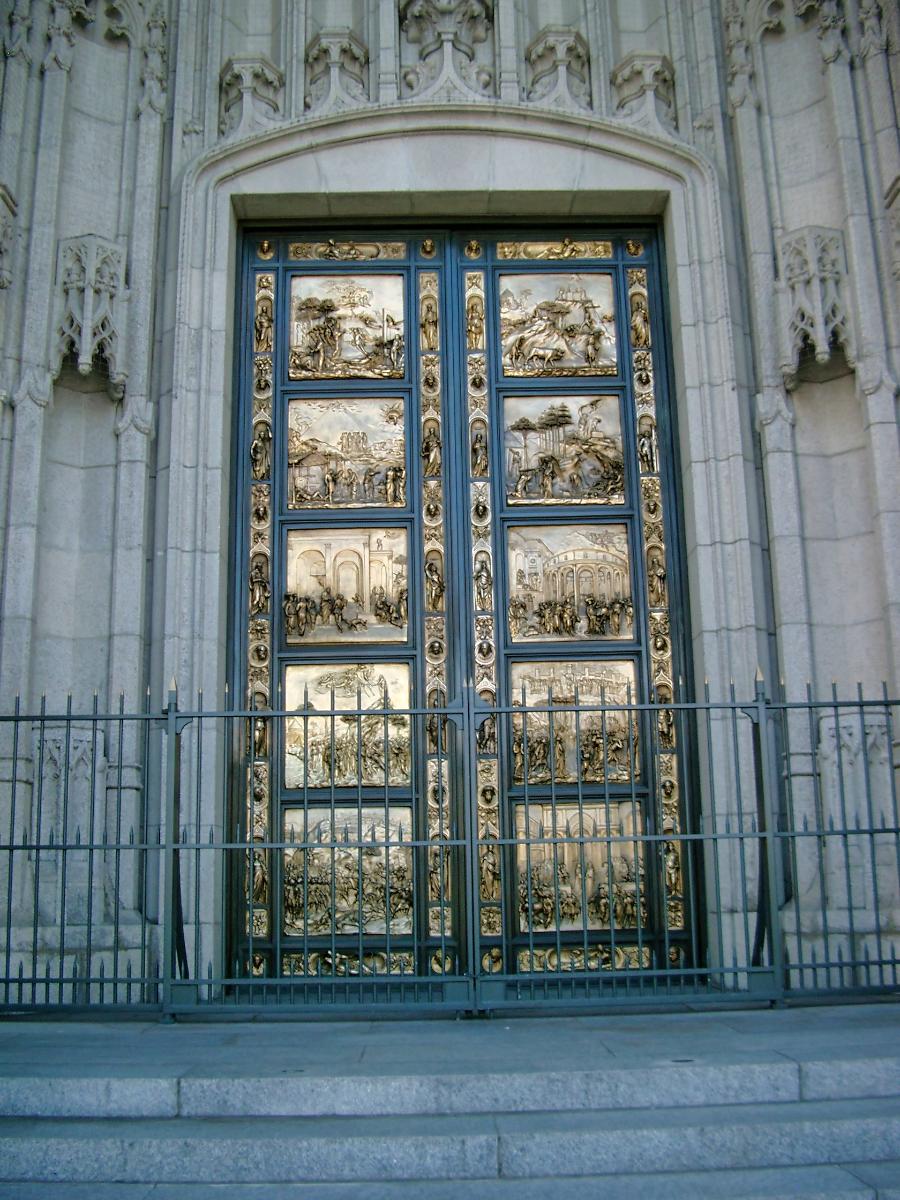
x: 464, y: 857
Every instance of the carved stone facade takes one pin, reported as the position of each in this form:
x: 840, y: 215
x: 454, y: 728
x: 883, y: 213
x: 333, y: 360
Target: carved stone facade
x: 759, y: 136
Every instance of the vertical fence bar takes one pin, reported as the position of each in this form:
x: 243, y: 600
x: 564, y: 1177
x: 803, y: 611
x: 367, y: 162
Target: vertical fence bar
x: 765, y: 775
x: 168, y: 908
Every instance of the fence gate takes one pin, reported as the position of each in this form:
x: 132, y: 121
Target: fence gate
x: 456, y: 619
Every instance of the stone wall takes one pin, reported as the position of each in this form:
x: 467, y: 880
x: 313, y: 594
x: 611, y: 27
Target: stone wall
x: 136, y: 133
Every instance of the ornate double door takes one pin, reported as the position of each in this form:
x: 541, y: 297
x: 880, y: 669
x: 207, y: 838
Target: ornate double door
x: 455, y: 557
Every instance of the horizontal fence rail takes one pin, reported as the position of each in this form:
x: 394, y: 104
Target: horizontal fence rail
x: 141, y: 872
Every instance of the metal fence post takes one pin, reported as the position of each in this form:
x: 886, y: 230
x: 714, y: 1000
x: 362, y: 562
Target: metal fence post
x: 170, y: 832
x: 767, y: 793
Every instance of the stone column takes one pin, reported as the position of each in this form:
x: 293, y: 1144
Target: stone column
x: 32, y: 395
x: 14, y: 103
x: 145, y: 29
x: 876, y: 389
x: 388, y: 58
x: 507, y: 52
x: 774, y: 417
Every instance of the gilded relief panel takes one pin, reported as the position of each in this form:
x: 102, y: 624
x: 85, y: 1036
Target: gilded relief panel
x: 557, y: 324
x: 351, y: 874
x: 346, y: 584
x: 346, y: 327
x: 554, y: 747
x: 563, y: 450
x: 590, y: 877
x: 346, y: 453
x: 354, y: 750
x: 569, y: 582
x: 566, y: 247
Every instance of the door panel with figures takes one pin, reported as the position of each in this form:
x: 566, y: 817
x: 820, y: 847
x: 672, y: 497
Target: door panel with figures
x: 455, y: 547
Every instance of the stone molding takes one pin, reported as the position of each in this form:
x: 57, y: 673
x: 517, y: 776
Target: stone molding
x: 645, y: 92
x: 35, y: 385
x: 813, y: 271
x: 892, y: 207
x: 559, y: 68
x: 90, y: 279
x: 445, y: 36
x: 8, y: 208
x: 61, y: 33
x: 336, y: 69
x: 15, y: 41
x: 831, y: 27
x: 872, y: 36
x: 143, y: 23
x: 251, y: 91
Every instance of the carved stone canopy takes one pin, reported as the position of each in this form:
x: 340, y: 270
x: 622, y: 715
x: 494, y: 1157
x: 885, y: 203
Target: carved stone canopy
x: 815, y: 315
x: 250, y: 95
x: 645, y: 91
x: 336, y: 63
x: 90, y: 280
x: 558, y: 60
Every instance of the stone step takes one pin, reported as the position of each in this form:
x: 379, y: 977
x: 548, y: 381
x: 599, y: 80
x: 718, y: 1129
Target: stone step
x: 851, y: 1181
x: 517, y: 1146
x: 297, y: 1093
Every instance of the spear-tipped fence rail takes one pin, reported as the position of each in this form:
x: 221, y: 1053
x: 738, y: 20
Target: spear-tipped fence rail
x: 148, y: 864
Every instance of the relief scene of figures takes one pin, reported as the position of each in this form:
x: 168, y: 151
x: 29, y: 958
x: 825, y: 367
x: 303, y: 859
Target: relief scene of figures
x: 346, y: 453
x: 563, y: 450
x: 569, y: 581
x: 346, y: 585
x: 557, y: 324
x: 591, y: 883
x: 333, y: 882
x: 553, y: 747
x: 346, y: 327
x: 321, y: 751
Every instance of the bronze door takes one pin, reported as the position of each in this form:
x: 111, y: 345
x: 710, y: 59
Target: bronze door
x: 456, y: 524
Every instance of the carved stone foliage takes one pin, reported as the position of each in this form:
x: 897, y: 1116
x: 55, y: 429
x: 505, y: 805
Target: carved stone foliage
x: 143, y: 23
x: 644, y: 85
x: 814, y: 274
x: 872, y: 36
x: 892, y: 204
x: 745, y: 23
x: 61, y: 33
x: 336, y: 65
x: 448, y: 53
x: 15, y: 41
x: 558, y: 69
x: 250, y: 95
x: 90, y: 275
x: 831, y: 26
x: 7, y: 234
